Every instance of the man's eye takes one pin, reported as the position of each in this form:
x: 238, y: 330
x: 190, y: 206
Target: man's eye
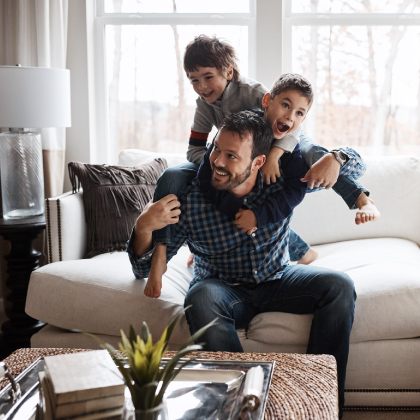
x: 232, y: 156
x: 194, y: 81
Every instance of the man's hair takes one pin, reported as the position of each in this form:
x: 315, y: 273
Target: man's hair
x: 293, y: 81
x: 206, y: 51
x: 247, y: 122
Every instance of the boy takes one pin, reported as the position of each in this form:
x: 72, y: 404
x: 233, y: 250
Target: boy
x: 285, y: 108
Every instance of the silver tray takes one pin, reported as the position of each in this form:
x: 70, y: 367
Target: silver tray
x: 205, y: 389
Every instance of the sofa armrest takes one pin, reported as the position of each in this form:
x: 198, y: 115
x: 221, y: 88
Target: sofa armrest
x: 66, y: 227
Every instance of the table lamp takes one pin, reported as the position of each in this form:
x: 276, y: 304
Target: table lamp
x: 30, y: 97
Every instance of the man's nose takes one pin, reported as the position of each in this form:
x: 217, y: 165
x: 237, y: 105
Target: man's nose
x: 219, y: 161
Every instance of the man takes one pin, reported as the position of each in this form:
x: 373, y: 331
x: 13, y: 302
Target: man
x: 236, y: 275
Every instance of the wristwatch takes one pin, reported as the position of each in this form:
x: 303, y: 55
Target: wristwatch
x: 340, y: 156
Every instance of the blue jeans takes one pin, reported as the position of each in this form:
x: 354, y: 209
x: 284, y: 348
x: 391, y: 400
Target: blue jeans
x: 328, y: 295
x: 173, y: 180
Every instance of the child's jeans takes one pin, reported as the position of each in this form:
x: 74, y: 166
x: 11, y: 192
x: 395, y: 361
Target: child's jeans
x: 176, y: 179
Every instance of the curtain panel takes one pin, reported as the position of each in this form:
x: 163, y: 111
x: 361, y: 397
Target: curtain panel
x: 34, y: 33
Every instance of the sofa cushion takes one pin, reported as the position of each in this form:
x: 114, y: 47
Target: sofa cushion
x: 394, y: 183
x: 385, y: 274
x: 101, y: 295
x: 113, y: 197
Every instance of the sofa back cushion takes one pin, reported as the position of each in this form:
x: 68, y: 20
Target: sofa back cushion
x: 113, y: 197
x: 323, y: 217
x: 394, y: 185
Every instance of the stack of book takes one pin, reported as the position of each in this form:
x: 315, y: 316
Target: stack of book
x: 81, y: 386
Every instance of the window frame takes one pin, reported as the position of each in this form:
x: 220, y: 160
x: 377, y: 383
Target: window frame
x: 104, y: 151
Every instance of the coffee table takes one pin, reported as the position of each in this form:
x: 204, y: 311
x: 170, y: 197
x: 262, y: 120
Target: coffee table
x: 302, y: 386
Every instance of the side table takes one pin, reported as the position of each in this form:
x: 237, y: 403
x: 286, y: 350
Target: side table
x: 21, y: 261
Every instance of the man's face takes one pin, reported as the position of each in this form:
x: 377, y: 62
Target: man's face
x: 209, y: 82
x: 285, y: 112
x: 231, y: 161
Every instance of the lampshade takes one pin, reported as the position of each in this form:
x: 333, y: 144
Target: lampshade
x: 34, y: 97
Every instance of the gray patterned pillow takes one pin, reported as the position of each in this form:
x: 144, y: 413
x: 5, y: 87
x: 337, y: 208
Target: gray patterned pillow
x: 113, y: 198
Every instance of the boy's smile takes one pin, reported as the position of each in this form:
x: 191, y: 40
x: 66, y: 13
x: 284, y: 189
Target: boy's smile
x: 209, y: 82
x: 285, y: 112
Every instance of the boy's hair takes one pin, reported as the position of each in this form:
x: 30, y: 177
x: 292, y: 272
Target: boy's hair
x: 244, y: 122
x: 206, y: 51
x: 292, y: 81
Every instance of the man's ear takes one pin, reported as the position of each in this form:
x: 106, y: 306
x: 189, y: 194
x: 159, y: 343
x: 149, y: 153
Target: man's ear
x: 258, y: 162
x: 266, y: 100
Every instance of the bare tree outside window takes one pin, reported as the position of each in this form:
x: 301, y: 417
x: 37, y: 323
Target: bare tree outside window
x: 366, y: 80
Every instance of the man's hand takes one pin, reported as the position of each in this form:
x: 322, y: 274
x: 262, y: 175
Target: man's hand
x: 323, y: 173
x: 157, y: 215
x: 271, y: 169
x: 246, y: 221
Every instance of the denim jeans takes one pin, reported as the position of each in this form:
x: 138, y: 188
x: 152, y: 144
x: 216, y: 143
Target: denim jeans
x: 328, y: 295
x: 173, y: 180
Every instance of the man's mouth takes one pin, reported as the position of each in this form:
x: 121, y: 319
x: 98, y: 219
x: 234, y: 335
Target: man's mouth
x: 219, y: 172
x: 282, y: 127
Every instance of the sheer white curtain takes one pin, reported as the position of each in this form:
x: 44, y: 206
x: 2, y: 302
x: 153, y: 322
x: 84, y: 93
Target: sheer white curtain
x: 34, y: 33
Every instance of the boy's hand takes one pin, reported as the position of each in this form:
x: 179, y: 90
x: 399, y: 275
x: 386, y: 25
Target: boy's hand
x: 271, y: 168
x: 246, y: 221
x: 323, y: 173
x: 160, y: 214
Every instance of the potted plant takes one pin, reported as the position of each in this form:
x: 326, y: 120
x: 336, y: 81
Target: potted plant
x: 141, y: 368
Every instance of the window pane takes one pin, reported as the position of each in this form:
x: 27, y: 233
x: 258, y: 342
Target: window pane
x: 354, y: 6
x: 180, y: 6
x: 366, y: 83
x: 151, y: 102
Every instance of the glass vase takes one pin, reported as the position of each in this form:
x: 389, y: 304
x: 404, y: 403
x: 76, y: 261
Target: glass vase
x: 22, y: 176
x: 159, y: 412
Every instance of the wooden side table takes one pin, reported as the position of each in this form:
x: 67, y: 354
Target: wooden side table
x: 21, y: 261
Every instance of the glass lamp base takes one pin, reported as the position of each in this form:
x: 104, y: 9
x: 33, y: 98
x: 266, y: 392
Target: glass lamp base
x: 22, y: 177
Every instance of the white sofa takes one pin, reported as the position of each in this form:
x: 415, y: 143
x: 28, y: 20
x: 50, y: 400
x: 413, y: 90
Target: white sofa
x: 101, y: 295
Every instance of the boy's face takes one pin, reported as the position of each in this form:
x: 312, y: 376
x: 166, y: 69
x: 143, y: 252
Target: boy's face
x: 210, y: 82
x: 285, y: 112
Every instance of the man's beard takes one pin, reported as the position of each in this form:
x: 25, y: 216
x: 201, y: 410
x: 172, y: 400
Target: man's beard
x: 232, y: 181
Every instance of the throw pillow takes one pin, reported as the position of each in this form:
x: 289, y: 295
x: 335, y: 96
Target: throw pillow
x: 113, y: 198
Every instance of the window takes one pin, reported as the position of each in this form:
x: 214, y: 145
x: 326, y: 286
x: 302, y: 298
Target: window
x: 145, y: 95
x: 363, y: 59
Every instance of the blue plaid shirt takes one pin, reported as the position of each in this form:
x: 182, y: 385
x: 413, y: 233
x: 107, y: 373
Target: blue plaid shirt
x: 220, y: 249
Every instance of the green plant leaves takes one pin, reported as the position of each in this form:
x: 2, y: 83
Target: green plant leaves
x: 144, y: 372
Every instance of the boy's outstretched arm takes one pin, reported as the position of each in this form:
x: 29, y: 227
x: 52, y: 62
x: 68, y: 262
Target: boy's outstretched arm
x: 324, y: 173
